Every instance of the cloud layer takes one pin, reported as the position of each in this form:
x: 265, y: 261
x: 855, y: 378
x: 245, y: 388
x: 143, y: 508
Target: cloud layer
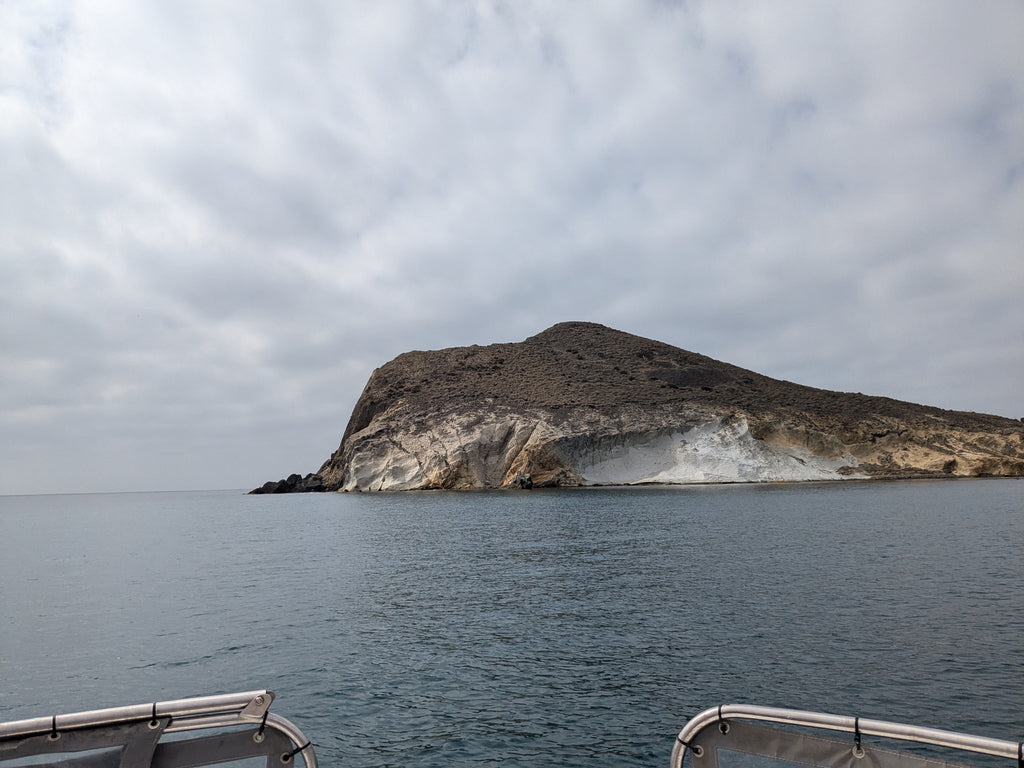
x: 218, y: 219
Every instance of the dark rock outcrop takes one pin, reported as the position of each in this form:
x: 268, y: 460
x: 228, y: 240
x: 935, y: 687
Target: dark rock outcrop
x: 311, y: 483
x: 582, y: 404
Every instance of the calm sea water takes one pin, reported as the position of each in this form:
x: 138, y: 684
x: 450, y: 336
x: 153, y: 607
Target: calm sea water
x: 563, y: 628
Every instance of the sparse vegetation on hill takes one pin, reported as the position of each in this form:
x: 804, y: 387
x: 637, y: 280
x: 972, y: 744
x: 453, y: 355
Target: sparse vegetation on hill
x: 574, y: 369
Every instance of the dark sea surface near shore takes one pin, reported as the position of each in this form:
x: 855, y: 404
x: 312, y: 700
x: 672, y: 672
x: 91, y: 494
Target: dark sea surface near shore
x: 569, y: 628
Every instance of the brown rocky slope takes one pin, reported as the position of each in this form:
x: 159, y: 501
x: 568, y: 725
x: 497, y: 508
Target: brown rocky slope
x: 584, y: 404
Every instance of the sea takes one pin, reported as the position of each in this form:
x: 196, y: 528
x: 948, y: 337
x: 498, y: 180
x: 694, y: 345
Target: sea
x: 572, y: 627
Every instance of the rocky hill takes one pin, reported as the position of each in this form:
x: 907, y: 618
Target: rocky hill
x: 582, y: 404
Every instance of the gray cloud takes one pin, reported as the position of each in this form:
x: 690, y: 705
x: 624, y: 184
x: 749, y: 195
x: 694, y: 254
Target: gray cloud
x: 217, y: 220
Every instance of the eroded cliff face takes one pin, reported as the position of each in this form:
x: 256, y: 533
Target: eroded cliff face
x: 581, y: 404
x: 486, y: 448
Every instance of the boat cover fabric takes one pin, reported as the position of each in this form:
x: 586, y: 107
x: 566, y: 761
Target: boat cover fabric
x: 749, y: 745
x: 139, y: 745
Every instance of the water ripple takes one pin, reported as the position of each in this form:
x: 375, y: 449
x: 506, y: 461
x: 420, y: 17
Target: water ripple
x: 536, y: 628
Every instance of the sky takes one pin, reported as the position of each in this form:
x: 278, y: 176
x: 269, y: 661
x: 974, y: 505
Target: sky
x: 216, y: 219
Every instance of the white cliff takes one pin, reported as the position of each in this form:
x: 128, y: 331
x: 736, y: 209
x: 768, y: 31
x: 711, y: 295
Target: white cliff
x: 720, y: 451
x: 479, y: 449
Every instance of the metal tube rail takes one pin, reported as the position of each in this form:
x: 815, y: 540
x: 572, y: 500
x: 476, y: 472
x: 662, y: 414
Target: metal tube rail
x: 176, y: 709
x: 220, y: 711
x: 867, y: 727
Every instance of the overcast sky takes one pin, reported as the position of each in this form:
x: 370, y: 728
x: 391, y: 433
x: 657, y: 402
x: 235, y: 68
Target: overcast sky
x: 216, y: 219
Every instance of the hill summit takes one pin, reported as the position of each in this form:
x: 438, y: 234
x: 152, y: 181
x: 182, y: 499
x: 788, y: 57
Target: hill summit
x: 583, y: 404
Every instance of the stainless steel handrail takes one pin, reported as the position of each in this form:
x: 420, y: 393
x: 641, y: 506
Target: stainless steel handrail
x: 865, y: 726
x: 179, y: 708
x: 221, y: 711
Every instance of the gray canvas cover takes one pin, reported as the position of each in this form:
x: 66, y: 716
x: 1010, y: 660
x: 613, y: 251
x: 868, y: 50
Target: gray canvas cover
x: 748, y: 745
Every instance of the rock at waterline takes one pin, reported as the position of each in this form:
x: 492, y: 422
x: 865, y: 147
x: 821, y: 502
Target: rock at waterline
x: 293, y: 484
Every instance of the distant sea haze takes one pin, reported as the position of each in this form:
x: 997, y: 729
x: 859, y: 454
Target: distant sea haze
x: 574, y: 627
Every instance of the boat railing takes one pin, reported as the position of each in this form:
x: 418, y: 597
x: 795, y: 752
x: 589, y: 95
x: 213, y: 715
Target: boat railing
x: 183, y: 733
x: 729, y: 736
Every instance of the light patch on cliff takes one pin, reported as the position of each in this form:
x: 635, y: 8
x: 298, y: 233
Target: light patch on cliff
x: 716, y: 452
